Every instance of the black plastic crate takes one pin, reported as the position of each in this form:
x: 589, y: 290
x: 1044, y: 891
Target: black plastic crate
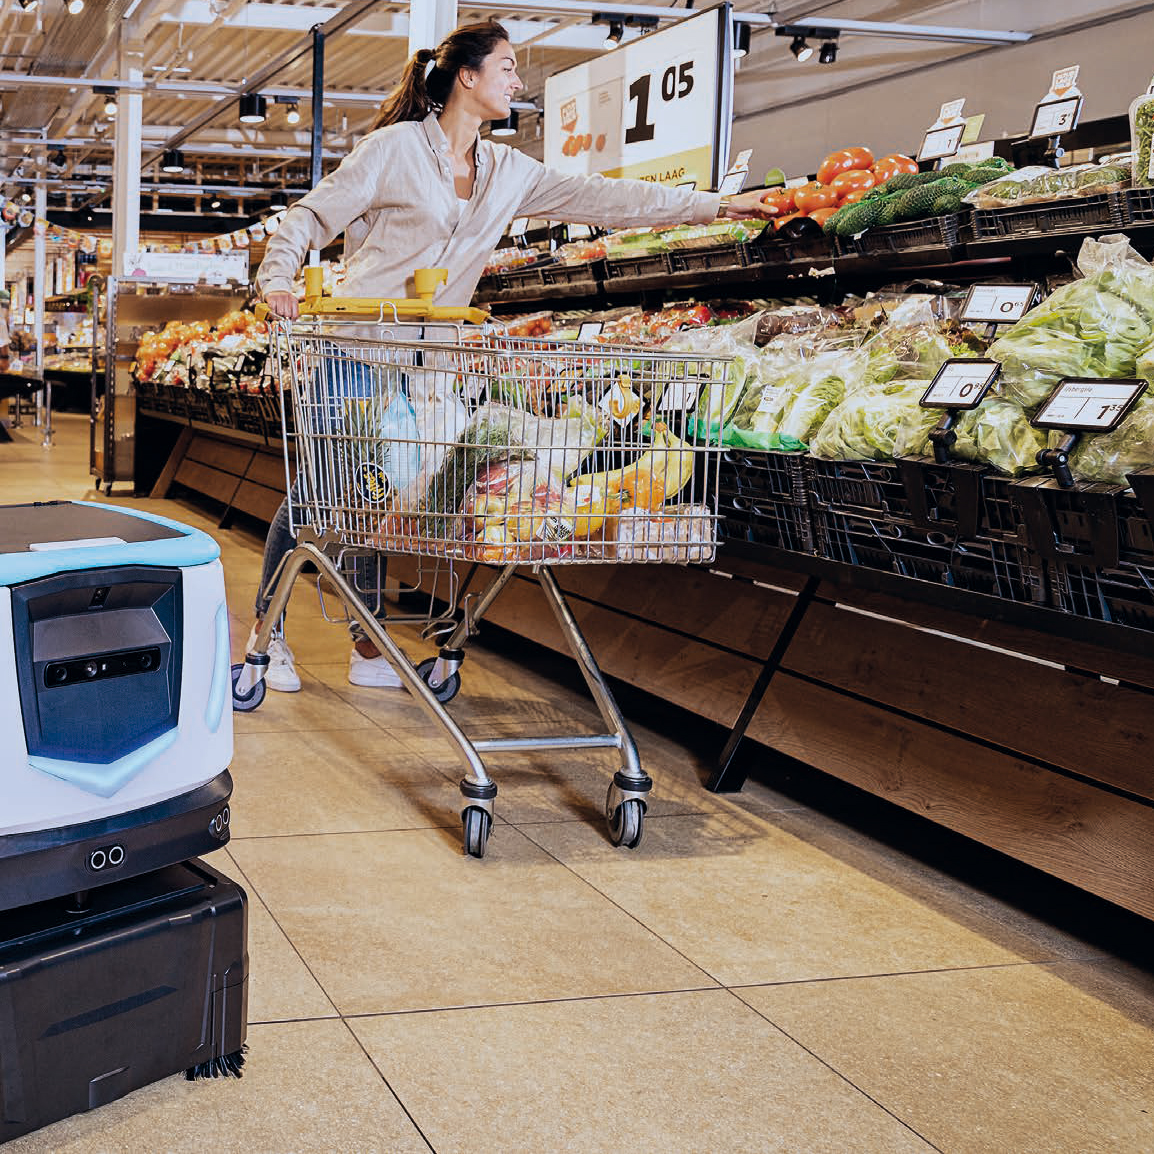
x: 247, y: 413
x: 765, y: 475
x: 520, y: 279
x: 772, y: 248
x: 763, y: 499
x: 1091, y: 524
x: 172, y: 399
x: 654, y: 264
x: 1123, y: 595
x: 933, y: 232
x: 1107, y: 210
x: 998, y: 568
x: 1138, y: 204
x: 209, y: 408
x: 574, y: 276
x: 707, y: 259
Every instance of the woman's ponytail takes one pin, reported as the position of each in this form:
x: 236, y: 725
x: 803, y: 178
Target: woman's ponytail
x: 429, y: 76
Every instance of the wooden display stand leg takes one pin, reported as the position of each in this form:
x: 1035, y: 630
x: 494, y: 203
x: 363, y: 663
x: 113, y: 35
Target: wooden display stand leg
x: 168, y: 473
x: 729, y: 776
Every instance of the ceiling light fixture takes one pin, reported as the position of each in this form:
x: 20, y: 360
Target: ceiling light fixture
x: 75, y: 7
x: 278, y: 200
x: 172, y: 161
x: 253, y: 108
x: 828, y: 53
x: 215, y: 202
x: 613, y: 36
x: 293, y: 115
x: 506, y: 127
x: 58, y: 159
x: 800, y: 49
x: 29, y: 5
x: 26, y: 197
x: 741, y: 36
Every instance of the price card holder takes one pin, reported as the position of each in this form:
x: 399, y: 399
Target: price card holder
x: 589, y: 330
x: 998, y: 304
x: 959, y: 385
x: 941, y: 142
x: 1083, y: 405
x: 1054, y: 117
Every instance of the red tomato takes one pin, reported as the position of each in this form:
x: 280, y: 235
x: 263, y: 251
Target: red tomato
x: 781, y: 199
x: 891, y: 165
x: 821, y: 215
x: 843, y: 161
x: 814, y: 195
x: 853, y: 197
x: 854, y: 180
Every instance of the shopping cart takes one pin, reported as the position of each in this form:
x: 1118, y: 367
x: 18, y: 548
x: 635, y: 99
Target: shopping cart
x: 460, y: 444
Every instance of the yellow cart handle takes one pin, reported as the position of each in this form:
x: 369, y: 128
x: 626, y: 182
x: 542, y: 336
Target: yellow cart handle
x: 426, y: 282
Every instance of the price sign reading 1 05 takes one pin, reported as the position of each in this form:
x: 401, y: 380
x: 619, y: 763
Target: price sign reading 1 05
x: 676, y: 84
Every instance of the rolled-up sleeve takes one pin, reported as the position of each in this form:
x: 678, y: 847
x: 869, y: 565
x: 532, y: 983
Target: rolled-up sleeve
x: 320, y: 216
x: 614, y: 203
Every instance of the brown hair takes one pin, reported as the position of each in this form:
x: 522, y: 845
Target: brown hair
x: 419, y: 94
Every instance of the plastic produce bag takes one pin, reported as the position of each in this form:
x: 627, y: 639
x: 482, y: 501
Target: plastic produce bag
x: 512, y: 510
x: 1110, y: 457
x: 1093, y: 327
x: 1036, y: 185
x: 877, y: 424
x: 999, y: 434
x: 1141, y: 134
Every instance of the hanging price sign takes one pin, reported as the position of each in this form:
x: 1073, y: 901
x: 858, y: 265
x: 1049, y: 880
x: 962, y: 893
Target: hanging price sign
x: 1088, y: 404
x: 658, y: 108
x: 998, y: 304
x: 961, y: 383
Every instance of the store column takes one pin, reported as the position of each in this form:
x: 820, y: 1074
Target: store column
x: 430, y: 21
x: 39, y: 281
x: 126, y: 165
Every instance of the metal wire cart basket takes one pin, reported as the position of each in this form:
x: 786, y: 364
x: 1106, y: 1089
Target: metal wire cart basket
x: 463, y: 445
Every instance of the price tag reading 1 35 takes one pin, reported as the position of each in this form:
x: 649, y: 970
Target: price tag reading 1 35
x: 998, y: 304
x: 1088, y: 404
x: 961, y: 383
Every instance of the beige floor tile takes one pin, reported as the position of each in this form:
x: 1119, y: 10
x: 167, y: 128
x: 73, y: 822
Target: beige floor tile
x: 687, y: 1072
x: 307, y: 1086
x: 280, y: 987
x: 750, y: 902
x: 403, y: 921
x: 334, y: 781
x: 1033, y: 1059
x: 315, y: 706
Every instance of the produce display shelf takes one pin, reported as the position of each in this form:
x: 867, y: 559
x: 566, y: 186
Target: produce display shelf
x: 1002, y: 569
x: 639, y: 267
x: 585, y: 277
x: 1106, y: 210
x: 936, y: 232
x: 730, y: 257
x: 246, y: 412
x: 1138, y: 204
x: 763, y: 499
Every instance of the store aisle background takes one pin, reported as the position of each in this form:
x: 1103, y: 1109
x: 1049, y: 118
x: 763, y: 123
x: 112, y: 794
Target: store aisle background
x: 757, y: 976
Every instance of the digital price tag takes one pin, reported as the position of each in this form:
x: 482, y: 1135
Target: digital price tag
x: 1053, y: 117
x: 657, y: 108
x: 998, y: 304
x: 1088, y: 404
x: 940, y: 142
x: 589, y: 330
x: 961, y: 383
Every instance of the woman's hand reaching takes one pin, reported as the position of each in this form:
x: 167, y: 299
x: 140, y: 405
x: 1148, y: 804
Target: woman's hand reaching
x: 283, y: 304
x: 747, y: 206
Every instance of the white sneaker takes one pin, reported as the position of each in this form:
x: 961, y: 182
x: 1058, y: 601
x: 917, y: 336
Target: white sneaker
x: 372, y: 672
x: 281, y: 673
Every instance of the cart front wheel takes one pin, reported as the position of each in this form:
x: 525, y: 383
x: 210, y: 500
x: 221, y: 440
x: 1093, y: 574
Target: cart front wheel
x: 446, y: 691
x: 477, y: 824
x: 625, y: 823
x: 247, y: 702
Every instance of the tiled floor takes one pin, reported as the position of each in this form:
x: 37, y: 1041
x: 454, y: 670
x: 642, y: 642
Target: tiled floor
x: 755, y: 977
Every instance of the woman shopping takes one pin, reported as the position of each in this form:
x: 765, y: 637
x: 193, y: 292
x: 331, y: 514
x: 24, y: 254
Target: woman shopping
x: 424, y: 190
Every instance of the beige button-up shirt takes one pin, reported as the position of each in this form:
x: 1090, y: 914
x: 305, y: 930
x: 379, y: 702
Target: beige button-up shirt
x: 394, y: 199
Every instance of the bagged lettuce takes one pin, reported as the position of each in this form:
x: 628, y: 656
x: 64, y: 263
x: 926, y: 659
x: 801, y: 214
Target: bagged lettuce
x: 999, y: 434
x: 875, y: 424
x: 1110, y: 457
x: 1093, y: 327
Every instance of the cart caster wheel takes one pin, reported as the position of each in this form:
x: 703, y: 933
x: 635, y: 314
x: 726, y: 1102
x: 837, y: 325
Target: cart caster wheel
x: 625, y: 823
x: 446, y: 691
x: 477, y: 824
x: 249, y: 701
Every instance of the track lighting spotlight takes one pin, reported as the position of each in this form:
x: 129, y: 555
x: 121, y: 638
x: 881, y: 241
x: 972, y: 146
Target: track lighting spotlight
x: 253, y: 108
x: 29, y: 5
x: 506, y: 127
x: 828, y: 53
x: 741, y: 36
x: 613, y: 36
x: 800, y: 49
x: 75, y: 7
x: 293, y: 115
x: 215, y: 203
x: 278, y: 200
x: 172, y: 161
